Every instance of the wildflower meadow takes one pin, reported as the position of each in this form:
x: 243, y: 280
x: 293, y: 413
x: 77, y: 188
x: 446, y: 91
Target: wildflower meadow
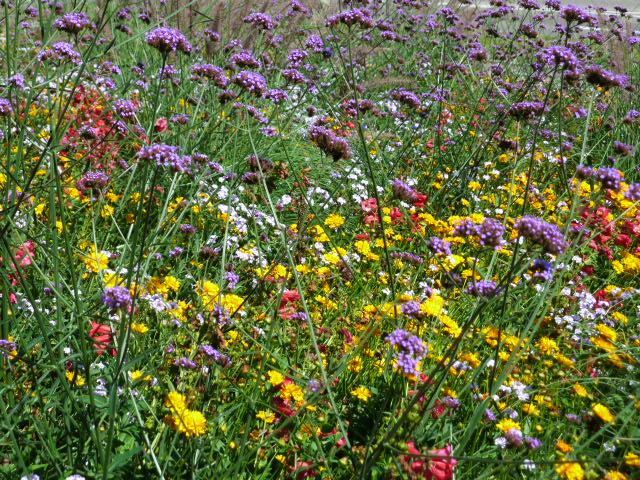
x: 308, y: 239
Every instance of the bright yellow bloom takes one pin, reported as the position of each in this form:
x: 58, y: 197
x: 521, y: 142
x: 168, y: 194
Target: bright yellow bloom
x: 614, y: 475
x: 136, y: 375
x: 580, y: 390
x: 362, y: 393
x: 547, y: 346
x: 334, y: 221
x: 607, y: 332
x: 507, y: 424
x: 268, y: 417
x: 291, y: 391
x: 75, y: 378
x: 175, y: 401
x: 275, y: 378
x: 571, y: 471
x: 563, y: 447
x: 632, y: 459
x: 95, y: 261
x: 139, y: 327
x: 191, y: 423
x: 603, y: 412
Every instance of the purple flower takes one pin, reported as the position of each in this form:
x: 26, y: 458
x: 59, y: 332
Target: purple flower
x: 94, y: 180
x: 411, y: 350
x: 244, y: 58
x: 573, y: 13
x: 545, y: 234
x: 252, y: 82
x: 439, y: 246
x: 210, y: 72
x: 277, y: 96
x: 168, y: 40
x: 116, y: 297
x: 176, y: 252
x: 296, y: 58
x: 60, y: 51
x: 217, y: 356
x: 583, y: 172
x: 406, y: 97
x: 490, y: 233
x: 633, y: 193
x: 411, y: 309
x: 483, y: 288
x: 623, y: 148
x: 600, y: 77
x: 360, y: 17
x: 514, y: 436
x: 559, y: 55
x: 16, y: 81
x: 294, y: 76
x: 327, y: 141
x: 6, y: 347
x: 465, y: 228
x: 315, y: 43
x: 72, y: 23
x: 527, y: 110
x: 185, y: 362
x: 542, y: 270
x: 403, y: 191
x: 125, y: 108
x: 5, y: 107
x: 609, y: 178
x: 408, y: 257
x: 261, y: 20
x: 533, y: 443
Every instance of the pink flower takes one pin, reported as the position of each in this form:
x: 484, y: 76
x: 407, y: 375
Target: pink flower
x: 25, y: 254
x: 369, y: 205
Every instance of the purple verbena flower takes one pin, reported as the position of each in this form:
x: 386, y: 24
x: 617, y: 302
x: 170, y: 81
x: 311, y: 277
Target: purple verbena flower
x: 168, y: 40
x: 116, y: 297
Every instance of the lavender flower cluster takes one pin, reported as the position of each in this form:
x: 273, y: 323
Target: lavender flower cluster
x: 542, y: 233
x: 331, y: 144
x: 361, y: 17
x: 168, y: 40
x: 411, y: 350
x: 116, y: 298
x: 165, y: 156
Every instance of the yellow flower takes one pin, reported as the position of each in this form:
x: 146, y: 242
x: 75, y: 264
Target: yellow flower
x: 570, y: 471
x: 268, y: 417
x: 175, y: 401
x: 334, y: 221
x: 507, y: 424
x: 603, y: 412
x: 191, y: 423
x: 547, y: 346
x: 632, y: 459
x: 139, y: 327
x: 291, y: 391
x: 75, y: 378
x: 362, y: 393
x: 275, y: 378
x: 607, y: 332
x: 135, y: 375
x: 614, y: 475
x: 563, y: 447
x: 95, y: 261
x: 580, y: 390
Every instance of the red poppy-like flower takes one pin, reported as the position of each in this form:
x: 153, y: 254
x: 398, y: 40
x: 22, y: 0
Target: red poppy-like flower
x: 438, y: 466
x: 102, y: 336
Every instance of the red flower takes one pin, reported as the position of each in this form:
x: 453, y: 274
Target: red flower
x: 103, y: 336
x: 438, y: 466
x: 161, y: 125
